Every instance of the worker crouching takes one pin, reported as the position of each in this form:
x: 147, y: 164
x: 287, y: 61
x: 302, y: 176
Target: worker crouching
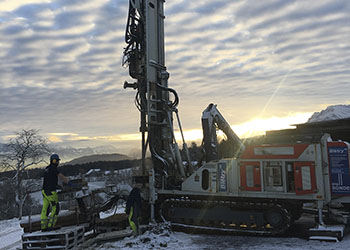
x: 50, y: 210
x: 133, y: 210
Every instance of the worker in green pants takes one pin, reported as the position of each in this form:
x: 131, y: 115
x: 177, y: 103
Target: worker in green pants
x: 133, y: 210
x: 50, y: 197
x: 48, y: 221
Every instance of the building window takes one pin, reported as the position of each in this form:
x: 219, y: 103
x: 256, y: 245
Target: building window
x: 273, y: 176
x: 290, y: 177
x: 205, y: 179
x: 250, y: 175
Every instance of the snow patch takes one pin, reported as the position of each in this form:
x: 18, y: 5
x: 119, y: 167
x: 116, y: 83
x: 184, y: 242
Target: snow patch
x: 158, y: 237
x: 112, y: 211
x: 333, y: 112
x: 10, y: 234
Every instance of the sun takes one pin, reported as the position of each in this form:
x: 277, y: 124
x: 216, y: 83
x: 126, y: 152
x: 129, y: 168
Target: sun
x: 258, y: 126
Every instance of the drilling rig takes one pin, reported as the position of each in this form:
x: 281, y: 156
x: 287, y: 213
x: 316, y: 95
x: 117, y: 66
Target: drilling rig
x: 157, y: 103
x: 262, y: 190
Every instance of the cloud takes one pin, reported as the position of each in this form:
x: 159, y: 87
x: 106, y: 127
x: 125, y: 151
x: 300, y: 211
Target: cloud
x: 60, y: 62
x: 10, y: 5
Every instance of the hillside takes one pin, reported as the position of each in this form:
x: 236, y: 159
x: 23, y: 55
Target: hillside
x: 97, y: 158
x: 68, y: 153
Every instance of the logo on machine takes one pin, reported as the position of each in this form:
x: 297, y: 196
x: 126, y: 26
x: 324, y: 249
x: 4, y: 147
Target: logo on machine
x: 337, y: 150
x: 339, y: 169
x: 222, y: 177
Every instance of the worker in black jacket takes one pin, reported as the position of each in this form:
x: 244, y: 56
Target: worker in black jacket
x: 50, y: 197
x: 133, y: 209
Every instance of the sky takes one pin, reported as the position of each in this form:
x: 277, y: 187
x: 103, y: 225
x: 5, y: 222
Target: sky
x: 266, y: 64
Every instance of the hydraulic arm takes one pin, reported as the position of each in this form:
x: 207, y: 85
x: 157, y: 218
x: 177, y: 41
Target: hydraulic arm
x: 212, y: 119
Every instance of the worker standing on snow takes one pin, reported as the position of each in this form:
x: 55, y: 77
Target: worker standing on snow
x: 50, y: 197
x: 133, y: 209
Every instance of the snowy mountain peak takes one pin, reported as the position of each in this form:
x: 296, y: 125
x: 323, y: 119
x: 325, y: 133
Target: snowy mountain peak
x: 333, y: 112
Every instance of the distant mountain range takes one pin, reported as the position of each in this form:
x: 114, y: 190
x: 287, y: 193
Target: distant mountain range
x: 97, y: 157
x: 71, y: 155
x: 333, y: 112
x: 68, y: 153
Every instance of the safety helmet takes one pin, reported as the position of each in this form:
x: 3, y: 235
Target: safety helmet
x: 54, y: 158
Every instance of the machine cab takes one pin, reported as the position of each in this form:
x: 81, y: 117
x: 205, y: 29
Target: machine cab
x: 282, y: 168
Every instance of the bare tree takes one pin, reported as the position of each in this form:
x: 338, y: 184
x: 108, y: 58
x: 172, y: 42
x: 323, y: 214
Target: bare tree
x: 27, y: 149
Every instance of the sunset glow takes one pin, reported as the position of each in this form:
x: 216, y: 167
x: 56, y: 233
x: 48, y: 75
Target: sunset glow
x: 258, y: 126
x: 254, y: 127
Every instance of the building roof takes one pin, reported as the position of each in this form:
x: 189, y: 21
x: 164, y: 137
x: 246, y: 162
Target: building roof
x: 338, y: 130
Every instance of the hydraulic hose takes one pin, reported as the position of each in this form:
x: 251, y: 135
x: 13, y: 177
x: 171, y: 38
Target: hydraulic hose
x: 176, y: 101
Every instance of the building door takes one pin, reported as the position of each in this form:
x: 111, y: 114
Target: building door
x: 250, y: 176
x: 305, y: 179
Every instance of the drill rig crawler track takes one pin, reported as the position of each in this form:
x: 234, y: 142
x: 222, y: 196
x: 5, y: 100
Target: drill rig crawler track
x: 234, y: 216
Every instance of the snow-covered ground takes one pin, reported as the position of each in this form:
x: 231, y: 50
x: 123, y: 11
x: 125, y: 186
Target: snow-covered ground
x: 96, y: 185
x: 179, y: 240
x: 10, y: 234
x: 161, y: 238
x: 294, y: 240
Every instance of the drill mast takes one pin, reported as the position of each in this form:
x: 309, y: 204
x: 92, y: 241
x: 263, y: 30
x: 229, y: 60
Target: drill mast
x: 145, y: 57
